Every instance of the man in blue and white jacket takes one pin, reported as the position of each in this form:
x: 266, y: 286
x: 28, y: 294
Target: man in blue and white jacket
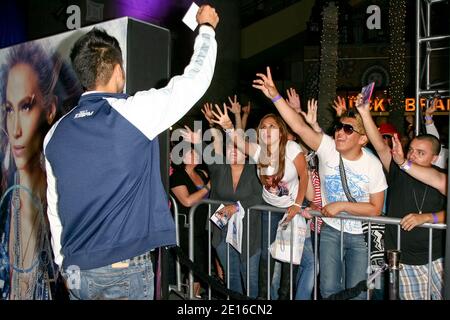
x: 106, y: 204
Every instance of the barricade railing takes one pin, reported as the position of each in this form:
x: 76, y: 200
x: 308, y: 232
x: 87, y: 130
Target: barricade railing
x: 177, y: 234
x: 316, y: 215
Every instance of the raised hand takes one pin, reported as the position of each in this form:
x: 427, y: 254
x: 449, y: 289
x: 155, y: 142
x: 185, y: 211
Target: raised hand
x: 265, y: 84
x: 431, y: 109
x: 339, y: 105
x: 246, y: 109
x: 222, y: 118
x: 191, y: 136
x: 235, y: 105
x: 207, y: 14
x: 397, y: 150
x: 293, y: 100
x: 311, y: 116
x: 362, y: 107
x: 207, y: 112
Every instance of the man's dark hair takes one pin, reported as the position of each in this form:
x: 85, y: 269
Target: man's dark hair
x: 435, y: 144
x: 94, y: 56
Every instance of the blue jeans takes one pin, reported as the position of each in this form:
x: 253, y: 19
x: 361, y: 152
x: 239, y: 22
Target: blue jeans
x: 113, y: 282
x: 354, y: 266
x: 238, y: 269
x: 305, y: 275
x: 275, y: 218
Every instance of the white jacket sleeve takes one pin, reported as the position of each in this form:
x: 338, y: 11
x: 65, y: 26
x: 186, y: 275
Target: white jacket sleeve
x: 431, y: 129
x: 54, y: 220
x: 154, y: 111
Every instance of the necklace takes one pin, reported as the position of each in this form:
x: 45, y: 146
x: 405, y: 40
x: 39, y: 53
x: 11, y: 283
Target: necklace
x: 423, y: 199
x: 23, y: 280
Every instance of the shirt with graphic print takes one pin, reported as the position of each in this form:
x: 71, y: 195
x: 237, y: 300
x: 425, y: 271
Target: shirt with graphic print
x: 365, y: 176
x: 284, y: 194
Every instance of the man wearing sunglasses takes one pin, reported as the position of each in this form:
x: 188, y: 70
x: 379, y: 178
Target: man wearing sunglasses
x: 417, y: 191
x: 365, y: 180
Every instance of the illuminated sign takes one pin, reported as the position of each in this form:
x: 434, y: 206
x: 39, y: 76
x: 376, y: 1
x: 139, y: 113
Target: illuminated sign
x: 382, y: 104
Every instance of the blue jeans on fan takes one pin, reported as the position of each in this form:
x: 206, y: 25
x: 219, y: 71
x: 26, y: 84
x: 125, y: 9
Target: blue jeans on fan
x: 332, y: 272
x: 238, y: 269
x: 305, y: 275
x: 265, y: 244
x: 132, y: 279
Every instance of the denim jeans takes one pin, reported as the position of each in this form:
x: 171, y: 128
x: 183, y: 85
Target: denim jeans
x: 114, y: 282
x: 275, y: 218
x: 238, y: 269
x: 305, y: 275
x: 332, y: 271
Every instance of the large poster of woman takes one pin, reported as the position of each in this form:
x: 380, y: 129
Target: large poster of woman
x: 37, y: 87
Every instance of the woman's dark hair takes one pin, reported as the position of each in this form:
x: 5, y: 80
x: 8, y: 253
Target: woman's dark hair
x: 265, y: 154
x: 94, y: 56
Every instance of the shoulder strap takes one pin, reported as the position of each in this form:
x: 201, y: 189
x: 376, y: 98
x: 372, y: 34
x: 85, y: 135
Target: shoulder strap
x: 344, y: 181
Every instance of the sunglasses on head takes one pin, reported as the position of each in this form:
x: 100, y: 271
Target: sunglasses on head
x: 348, y: 128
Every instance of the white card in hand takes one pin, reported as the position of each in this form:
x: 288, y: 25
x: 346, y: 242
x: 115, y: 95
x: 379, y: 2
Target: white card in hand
x: 190, y: 18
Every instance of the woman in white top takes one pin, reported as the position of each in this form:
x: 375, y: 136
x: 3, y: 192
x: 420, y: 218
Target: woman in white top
x: 283, y: 172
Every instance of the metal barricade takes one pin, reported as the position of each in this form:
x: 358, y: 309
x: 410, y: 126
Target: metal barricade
x: 177, y: 234
x: 191, y: 242
x: 382, y: 220
x: 315, y: 214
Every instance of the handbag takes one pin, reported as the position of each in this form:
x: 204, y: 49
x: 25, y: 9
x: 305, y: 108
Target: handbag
x: 280, y: 249
x: 376, y: 229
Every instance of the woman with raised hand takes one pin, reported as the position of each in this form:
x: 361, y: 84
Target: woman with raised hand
x: 283, y: 174
x: 234, y: 179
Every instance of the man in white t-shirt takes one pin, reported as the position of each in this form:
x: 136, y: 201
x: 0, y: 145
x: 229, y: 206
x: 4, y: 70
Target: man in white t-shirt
x: 365, y: 179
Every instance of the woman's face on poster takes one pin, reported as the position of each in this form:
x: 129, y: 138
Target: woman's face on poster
x: 25, y: 115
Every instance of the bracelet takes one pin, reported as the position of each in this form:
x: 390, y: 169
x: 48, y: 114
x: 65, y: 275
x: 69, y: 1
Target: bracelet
x: 435, y: 217
x: 275, y: 99
x: 403, y: 162
x: 429, y: 118
x: 406, y: 166
x: 296, y: 204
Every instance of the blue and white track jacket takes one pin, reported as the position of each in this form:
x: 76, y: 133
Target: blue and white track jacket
x: 106, y: 202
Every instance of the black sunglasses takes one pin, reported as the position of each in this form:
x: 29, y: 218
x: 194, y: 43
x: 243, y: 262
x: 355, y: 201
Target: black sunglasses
x: 348, y: 129
x: 386, y: 136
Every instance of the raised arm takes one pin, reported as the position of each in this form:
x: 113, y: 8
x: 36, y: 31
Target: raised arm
x: 293, y: 119
x: 154, y: 111
x: 222, y: 119
x: 374, y: 136
x: 429, y: 123
x: 427, y: 175
x: 311, y: 115
x: 236, y: 110
x: 216, y: 134
x: 293, y: 100
x: 245, y: 114
x: 339, y: 106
